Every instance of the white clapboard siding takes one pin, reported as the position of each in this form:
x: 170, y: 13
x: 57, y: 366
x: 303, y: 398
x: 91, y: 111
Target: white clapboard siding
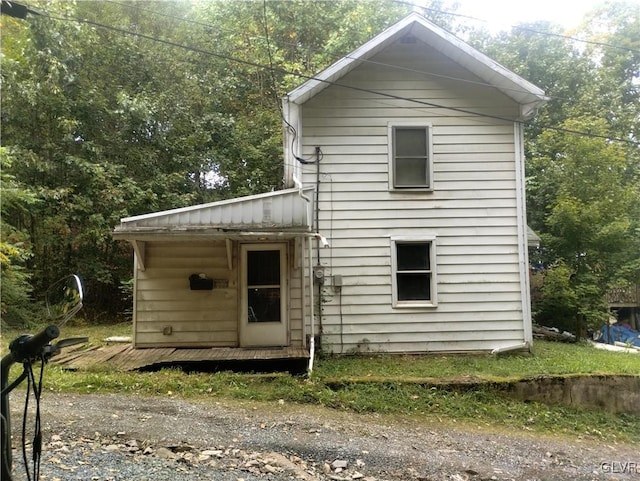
x: 296, y: 315
x: 472, y: 210
x: 165, y: 301
x: 207, y: 318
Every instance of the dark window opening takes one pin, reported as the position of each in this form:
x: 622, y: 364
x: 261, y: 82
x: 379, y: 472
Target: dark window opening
x: 413, y: 271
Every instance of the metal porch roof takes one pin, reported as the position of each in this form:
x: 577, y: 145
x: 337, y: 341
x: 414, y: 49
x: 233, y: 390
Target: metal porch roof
x: 520, y: 90
x: 280, y: 211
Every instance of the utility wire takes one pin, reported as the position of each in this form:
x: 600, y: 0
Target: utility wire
x: 398, y: 67
x: 373, y: 62
x: 271, y: 70
x: 401, y: 2
x: 310, y: 77
x: 520, y: 27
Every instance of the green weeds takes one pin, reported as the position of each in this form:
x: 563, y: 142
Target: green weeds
x: 392, y: 385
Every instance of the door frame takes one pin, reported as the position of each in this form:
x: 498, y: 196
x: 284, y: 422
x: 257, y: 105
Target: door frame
x: 264, y: 334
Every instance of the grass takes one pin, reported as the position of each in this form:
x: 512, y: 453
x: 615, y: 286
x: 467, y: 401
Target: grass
x: 548, y: 358
x: 391, y: 385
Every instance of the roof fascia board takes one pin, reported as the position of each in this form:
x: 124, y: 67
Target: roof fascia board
x: 337, y: 70
x: 480, y: 58
x: 167, y: 235
x: 486, y: 68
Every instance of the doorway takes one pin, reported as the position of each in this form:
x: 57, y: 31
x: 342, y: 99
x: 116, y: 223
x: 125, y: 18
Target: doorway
x: 263, y: 299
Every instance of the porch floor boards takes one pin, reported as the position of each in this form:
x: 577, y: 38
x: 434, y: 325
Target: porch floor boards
x: 125, y: 357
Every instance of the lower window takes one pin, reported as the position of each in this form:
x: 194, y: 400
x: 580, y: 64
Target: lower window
x: 413, y: 264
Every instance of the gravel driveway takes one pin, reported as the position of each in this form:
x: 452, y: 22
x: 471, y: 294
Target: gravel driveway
x: 122, y: 437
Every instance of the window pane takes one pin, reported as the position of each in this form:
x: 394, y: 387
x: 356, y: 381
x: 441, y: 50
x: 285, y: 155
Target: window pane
x: 411, y: 142
x: 263, y: 268
x: 412, y: 257
x: 410, y: 172
x: 414, y: 287
x: 264, y: 304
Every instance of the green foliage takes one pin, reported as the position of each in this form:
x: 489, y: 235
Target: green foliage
x: 583, y: 191
x: 16, y: 303
x: 107, y: 125
x: 559, y: 303
x: 591, y: 226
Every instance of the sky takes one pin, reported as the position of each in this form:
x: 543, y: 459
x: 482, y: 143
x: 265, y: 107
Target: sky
x: 503, y: 13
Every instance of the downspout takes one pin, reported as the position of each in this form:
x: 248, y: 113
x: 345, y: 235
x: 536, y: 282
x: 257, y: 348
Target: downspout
x: 312, y: 339
x: 515, y: 347
x: 291, y: 115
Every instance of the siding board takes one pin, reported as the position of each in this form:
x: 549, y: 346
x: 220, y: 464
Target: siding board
x: 197, y: 318
x: 164, y: 298
x: 472, y: 209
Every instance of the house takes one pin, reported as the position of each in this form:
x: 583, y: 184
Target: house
x: 402, y: 227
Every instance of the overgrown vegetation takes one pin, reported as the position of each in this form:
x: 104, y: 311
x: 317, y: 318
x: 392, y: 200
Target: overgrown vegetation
x: 393, y: 385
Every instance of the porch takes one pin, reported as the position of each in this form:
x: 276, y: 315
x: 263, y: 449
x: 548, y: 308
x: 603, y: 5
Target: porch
x: 124, y: 357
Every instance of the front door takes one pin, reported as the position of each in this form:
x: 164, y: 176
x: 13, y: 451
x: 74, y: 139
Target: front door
x: 263, y: 299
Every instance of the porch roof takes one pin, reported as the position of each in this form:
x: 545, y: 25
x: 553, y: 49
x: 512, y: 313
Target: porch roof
x: 280, y: 212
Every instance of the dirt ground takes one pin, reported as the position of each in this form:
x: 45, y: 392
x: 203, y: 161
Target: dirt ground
x: 321, y: 443
x: 282, y: 441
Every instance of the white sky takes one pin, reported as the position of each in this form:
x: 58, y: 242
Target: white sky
x: 503, y: 13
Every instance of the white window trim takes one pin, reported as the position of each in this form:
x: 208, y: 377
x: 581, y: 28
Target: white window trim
x: 418, y: 124
x: 434, y: 275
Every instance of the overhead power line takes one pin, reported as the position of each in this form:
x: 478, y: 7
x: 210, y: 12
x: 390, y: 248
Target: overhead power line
x: 521, y: 27
x: 396, y: 67
x: 311, y: 77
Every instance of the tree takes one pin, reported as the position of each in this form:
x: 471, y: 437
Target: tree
x: 583, y: 194
x: 593, y: 223
x: 16, y: 306
x: 117, y: 109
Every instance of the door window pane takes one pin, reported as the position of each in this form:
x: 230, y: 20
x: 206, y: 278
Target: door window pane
x: 264, y: 304
x: 263, y: 268
x: 263, y: 286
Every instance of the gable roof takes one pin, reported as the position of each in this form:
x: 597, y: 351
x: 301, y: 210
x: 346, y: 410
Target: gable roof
x: 282, y: 211
x: 513, y: 86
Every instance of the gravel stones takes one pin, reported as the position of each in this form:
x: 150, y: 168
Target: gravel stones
x: 129, y: 438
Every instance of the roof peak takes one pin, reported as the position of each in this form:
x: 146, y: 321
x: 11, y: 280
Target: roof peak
x: 490, y: 71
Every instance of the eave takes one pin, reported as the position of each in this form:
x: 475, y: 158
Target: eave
x: 527, y: 95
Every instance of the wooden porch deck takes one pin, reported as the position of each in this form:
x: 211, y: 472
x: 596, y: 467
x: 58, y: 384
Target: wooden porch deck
x: 125, y: 357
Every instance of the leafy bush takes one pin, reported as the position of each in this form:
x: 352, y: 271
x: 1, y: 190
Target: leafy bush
x: 569, y: 302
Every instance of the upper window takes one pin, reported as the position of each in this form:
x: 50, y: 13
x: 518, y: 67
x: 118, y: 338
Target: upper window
x: 410, y: 156
x: 414, y: 279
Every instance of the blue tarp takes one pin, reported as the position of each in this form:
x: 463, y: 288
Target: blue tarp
x: 620, y: 333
